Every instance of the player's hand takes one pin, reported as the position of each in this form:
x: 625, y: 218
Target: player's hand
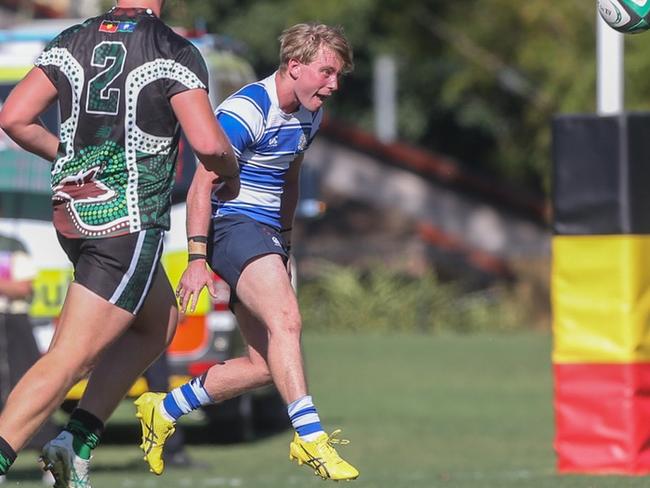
x: 194, y: 278
x: 227, y: 188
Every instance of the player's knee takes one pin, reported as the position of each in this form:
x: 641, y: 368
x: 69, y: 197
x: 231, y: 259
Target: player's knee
x: 85, y: 366
x: 294, y: 327
x: 73, y: 367
x: 287, y: 324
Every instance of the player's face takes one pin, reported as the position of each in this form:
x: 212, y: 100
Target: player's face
x: 317, y: 80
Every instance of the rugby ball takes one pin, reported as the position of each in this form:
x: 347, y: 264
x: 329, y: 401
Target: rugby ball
x: 626, y: 16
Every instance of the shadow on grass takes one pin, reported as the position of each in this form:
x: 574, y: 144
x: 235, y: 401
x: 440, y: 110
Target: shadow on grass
x: 230, y: 422
x: 23, y: 475
x: 213, y: 433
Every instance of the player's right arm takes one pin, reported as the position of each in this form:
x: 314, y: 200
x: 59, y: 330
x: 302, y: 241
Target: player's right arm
x: 208, y: 141
x: 20, y: 113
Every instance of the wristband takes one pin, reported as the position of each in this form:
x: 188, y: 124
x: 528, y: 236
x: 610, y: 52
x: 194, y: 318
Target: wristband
x: 203, y: 239
x: 195, y: 257
x: 197, y: 245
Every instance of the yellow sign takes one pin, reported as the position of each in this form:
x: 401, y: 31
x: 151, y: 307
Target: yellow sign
x: 50, y: 287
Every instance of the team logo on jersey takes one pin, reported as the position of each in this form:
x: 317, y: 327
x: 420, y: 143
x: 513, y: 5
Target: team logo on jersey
x: 112, y: 27
x: 302, y: 143
x: 276, y: 241
x: 83, y: 187
x: 273, y: 141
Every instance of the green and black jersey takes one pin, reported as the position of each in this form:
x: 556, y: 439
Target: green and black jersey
x: 115, y: 75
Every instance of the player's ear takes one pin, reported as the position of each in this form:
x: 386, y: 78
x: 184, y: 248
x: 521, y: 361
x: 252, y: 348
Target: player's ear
x: 293, y: 68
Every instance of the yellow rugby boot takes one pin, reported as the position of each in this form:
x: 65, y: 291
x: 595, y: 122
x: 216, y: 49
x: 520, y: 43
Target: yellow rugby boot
x: 156, y: 429
x: 322, y: 457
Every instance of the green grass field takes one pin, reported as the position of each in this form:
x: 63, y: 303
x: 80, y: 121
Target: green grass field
x: 421, y: 411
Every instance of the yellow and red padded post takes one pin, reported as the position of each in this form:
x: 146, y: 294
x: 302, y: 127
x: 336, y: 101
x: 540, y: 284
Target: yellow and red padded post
x: 600, y: 283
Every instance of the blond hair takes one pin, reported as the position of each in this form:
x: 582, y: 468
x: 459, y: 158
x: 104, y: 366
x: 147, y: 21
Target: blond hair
x: 302, y: 42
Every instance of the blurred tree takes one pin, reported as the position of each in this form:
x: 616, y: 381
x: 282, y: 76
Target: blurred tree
x: 478, y: 79
x: 513, y: 65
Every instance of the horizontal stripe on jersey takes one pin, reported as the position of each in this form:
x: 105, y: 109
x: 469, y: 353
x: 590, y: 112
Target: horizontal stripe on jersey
x: 265, y: 141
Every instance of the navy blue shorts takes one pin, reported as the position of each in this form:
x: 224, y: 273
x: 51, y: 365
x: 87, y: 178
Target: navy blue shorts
x: 238, y: 239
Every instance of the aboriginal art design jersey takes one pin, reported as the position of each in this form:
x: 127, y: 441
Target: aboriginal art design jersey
x: 265, y: 140
x: 115, y: 75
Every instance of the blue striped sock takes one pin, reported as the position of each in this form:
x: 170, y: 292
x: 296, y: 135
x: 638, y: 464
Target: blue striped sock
x: 305, y: 419
x: 184, y: 399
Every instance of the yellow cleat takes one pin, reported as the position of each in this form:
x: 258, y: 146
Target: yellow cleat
x: 322, y: 457
x: 156, y: 429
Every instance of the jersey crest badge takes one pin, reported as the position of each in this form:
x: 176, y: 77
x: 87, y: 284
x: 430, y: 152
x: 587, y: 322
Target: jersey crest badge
x: 126, y: 26
x: 108, y: 26
x: 112, y: 27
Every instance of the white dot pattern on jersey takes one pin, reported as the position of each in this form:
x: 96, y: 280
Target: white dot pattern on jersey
x: 70, y: 67
x: 150, y: 144
x: 135, y: 138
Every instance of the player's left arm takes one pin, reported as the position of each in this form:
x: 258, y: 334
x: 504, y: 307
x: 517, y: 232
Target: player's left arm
x: 290, y: 197
x: 20, y: 113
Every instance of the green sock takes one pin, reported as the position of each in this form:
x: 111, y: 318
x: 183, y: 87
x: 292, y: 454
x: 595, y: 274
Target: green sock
x: 83, y: 440
x: 5, y: 464
x: 7, y: 456
x: 86, y: 430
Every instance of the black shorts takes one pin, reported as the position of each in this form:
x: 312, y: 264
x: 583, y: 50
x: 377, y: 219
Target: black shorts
x: 237, y: 240
x: 118, y: 269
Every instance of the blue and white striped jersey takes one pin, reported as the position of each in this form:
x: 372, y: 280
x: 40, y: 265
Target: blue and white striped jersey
x: 265, y: 140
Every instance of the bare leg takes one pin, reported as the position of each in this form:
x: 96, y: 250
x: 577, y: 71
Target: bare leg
x: 236, y: 376
x: 264, y: 288
x: 122, y: 363
x: 88, y: 325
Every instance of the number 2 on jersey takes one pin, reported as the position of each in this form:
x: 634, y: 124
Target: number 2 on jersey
x: 100, y: 98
